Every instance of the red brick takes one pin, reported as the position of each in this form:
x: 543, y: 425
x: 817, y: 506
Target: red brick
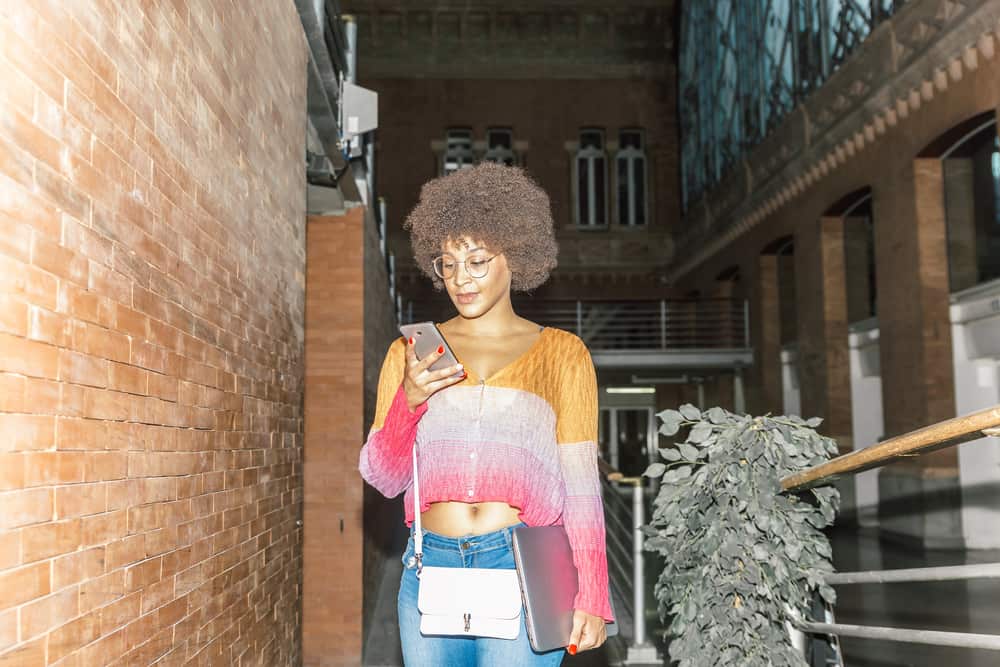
x: 77, y: 500
x: 103, y: 528
x: 11, y: 471
x: 26, y: 432
x: 51, y: 117
x: 11, y: 393
x: 23, y: 206
x: 60, y: 261
x: 77, y: 566
x: 82, y: 369
x: 15, y: 236
x: 163, y: 386
x: 73, y: 635
x: 104, y: 651
x: 15, y: 163
x: 104, y: 466
x: 30, y: 654
x: 23, y: 584
x: 42, y: 395
x: 125, y: 378
x: 13, y: 315
x: 111, y: 284
x: 85, y: 305
x: 18, y: 91
x: 125, y: 551
x: 49, y: 539
x: 24, y: 133
x: 46, y: 468
x: 10, y: 549
x: 102, y: 342
x: 98, y: 592
x: 131, y: 322
x: 120, y: 613
x: 49, y: 612
x: 55, y: 188
x: 48, y: 327
x: 81, y: 434
x: 35, y: 285
x: 8, y: 629
x: 87, y: 242
x: 28, y: 357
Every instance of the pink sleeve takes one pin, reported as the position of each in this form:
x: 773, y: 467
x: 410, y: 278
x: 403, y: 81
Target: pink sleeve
x: 385, y: 460
x: 583, y: 519
x: 583, y: 511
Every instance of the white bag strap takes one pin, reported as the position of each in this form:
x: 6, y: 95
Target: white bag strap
x: 418, y: 534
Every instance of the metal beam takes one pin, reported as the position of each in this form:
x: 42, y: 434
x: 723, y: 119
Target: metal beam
x: 693, y: 359
x: 945, y: 573
x: 932, y: 637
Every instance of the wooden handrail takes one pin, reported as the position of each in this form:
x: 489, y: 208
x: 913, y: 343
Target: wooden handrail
x: 936, y: 436
x: 612, y: 474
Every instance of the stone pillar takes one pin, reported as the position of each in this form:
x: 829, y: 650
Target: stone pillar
x: 764, y: 390
x: 921, y: 500
x: 824, y: 368
x: 334, y: 431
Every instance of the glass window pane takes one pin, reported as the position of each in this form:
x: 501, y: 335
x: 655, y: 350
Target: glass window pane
x: 599, y: 206
x: 639, y: 173
x: 623, y: 192
x: 583, y: 190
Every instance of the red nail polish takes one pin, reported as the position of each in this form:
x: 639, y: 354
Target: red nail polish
x: 440, y: 349
x: 411, y: 341
x: 572, y: 649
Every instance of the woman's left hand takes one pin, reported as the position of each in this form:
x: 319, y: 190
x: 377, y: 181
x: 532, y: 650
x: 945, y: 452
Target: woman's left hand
x: 588, y: 632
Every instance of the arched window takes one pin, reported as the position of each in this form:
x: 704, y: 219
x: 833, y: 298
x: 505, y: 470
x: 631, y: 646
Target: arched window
x: 590, y: 180
x: 500, y: 146
x: 458, y: 151
x: 970, y: 155
x: 631, y: 171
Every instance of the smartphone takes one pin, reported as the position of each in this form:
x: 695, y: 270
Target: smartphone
x: 428, y: 338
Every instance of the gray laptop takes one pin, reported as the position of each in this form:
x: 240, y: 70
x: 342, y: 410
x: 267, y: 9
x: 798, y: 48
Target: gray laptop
x: 548, y: 585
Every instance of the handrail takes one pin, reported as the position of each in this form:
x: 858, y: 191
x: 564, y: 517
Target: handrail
x: 930, y: 438
x: 612, y: 474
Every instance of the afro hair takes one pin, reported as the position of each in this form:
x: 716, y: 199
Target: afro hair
x: 496, y: 205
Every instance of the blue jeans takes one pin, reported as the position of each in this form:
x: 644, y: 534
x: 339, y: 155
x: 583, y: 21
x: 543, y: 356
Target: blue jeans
x: 493, y: 551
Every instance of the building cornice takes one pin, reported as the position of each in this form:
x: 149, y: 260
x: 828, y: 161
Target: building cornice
x: 514, y: 40
x: 927, y: 46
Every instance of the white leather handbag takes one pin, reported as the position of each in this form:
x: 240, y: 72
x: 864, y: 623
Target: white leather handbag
x: 465, y: 601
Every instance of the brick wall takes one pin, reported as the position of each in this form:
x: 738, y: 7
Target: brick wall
x: 546, y: 113
x: 152, y: 256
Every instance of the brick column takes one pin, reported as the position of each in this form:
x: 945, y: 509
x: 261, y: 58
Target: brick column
x: 917, y: 383
x: 334, y: 431
x: 821, y: 286
x: 764, y: 381
x: 920, y: 499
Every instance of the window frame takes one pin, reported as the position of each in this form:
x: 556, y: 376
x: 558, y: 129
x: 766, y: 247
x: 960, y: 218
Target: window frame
x: 591, y: 155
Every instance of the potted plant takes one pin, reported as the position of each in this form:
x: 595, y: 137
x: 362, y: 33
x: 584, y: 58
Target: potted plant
x: 742, y: 559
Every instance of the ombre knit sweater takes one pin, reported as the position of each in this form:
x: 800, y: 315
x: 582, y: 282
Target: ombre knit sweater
x: 525, y: 436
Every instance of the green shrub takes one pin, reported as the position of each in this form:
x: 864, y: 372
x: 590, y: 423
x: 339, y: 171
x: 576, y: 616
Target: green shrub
x: 742, y: 558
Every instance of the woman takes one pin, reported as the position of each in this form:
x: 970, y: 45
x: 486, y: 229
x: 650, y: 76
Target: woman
x: 509, y: 441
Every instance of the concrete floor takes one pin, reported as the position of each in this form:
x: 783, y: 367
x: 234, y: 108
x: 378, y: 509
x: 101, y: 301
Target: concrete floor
x: 956, y: 606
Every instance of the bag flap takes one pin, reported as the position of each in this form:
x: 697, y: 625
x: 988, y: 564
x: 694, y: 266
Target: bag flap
x: 476, y: 591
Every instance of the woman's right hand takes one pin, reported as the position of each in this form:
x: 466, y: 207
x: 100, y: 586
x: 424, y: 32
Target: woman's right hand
x: 419, y: 382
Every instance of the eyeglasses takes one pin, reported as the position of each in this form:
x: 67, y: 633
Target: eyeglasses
x: 477, y: 266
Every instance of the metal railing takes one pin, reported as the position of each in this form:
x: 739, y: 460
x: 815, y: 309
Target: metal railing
x: 626, y: 559
x: 937, y: 436
x: 632, y: 324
